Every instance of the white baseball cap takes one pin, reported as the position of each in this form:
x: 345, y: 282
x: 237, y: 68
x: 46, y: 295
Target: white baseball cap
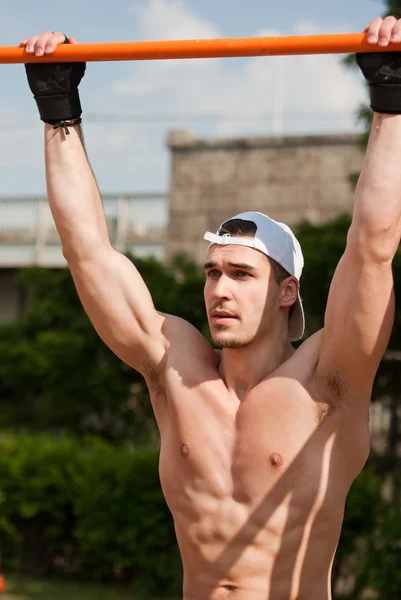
x: 277, y: 241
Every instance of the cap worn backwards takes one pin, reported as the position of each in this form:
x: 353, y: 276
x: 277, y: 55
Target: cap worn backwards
x: 277, y: 241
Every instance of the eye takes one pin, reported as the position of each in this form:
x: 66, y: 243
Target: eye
x: 212, y: 273
x: 241, y: 274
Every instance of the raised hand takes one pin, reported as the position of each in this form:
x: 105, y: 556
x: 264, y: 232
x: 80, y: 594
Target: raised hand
x: 45, y: 43
x: 384, y: 31
x: 382, y: 70
x: 54, y: 85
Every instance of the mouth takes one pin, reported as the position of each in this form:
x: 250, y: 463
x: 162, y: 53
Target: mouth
x: 223, y: 318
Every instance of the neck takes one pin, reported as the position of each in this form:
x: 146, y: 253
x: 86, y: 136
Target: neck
x: 243, y: 368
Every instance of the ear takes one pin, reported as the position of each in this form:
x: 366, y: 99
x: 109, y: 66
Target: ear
x: 289, y: 291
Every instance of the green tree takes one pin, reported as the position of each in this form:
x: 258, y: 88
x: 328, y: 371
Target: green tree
x: 393, y: 7
x: 56, y: 373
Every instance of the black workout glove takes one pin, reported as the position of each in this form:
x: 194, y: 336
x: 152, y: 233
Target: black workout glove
x: 55, y: 89
x: 383, y: 73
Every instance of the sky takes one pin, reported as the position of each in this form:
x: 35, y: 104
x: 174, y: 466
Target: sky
x: 129, y: 107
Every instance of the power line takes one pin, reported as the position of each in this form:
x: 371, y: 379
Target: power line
x: 160, y: 118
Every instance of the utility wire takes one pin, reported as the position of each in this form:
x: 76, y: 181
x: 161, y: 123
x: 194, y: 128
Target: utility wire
x: 160, y: 118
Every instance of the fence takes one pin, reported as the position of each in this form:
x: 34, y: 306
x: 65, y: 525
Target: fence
x: 28, y: 236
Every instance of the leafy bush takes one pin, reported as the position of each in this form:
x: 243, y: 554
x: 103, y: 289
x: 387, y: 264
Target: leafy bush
x: 88, y: 509
x: 384, y: 561
x: 57, y: 374
x: 362, y: 512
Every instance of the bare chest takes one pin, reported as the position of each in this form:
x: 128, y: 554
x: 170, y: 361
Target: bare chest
x: 217, y: 448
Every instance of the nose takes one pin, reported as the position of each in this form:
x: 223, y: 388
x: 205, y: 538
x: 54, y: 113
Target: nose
x: 222, y: 289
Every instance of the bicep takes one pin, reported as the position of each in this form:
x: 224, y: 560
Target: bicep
x: 358, y: 320
x: 120, y: 307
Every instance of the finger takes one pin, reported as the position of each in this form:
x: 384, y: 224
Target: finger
x: 73, y: 40
x: 30, y: 45
x: 396, y: 33
x: 23, y: 43
x: 43, y: 40
x: 53, y: 41
x: 386, y: 30
x: 373, y: 29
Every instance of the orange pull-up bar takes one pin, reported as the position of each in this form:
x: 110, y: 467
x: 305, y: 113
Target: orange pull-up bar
x: 218, y: 48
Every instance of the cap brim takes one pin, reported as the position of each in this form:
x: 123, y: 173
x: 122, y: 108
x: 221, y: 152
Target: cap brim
x: 297, y: 321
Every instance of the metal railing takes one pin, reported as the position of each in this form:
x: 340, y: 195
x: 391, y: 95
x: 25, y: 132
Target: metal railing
x: 28, y: 235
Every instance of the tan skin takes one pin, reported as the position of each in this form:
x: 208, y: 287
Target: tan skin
x: 261, y: 442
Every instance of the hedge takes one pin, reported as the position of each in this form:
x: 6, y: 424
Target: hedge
x: 86, y: 509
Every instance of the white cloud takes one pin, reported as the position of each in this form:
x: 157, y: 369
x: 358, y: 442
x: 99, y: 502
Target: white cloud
x: 171, y: 20
x: 306, y: 93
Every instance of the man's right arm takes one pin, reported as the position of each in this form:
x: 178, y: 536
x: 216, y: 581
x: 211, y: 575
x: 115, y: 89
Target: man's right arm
x: 111, y: 289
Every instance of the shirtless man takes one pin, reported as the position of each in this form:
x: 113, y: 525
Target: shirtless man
x: 260, y: 443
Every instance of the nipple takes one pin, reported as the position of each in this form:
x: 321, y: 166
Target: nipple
x: 276, y: 460
x: 185, y: 450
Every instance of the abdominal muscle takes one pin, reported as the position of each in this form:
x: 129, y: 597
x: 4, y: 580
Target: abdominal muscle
x: 229, y: 554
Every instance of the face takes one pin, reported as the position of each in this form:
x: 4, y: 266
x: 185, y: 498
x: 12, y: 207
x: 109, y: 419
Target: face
x: 242, y: 299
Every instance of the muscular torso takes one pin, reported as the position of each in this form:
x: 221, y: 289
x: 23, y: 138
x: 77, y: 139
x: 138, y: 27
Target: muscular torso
x: 257, y: 488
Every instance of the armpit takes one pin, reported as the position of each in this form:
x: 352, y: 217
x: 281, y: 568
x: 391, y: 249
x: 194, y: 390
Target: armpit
x: 336, y: 384
x: 154, y: 382
x: 332, y: 389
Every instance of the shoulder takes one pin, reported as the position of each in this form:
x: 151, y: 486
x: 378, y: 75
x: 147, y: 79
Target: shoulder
x: 188, y: 361
x: 186, y: 345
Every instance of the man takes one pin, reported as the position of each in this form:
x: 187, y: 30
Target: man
x: 260, y: 443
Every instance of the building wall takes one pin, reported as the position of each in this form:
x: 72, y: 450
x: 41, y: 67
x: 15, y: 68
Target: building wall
x: 290, y: 179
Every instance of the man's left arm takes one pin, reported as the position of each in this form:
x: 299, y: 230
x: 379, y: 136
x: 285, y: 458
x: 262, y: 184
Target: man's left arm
x: 360, y: 310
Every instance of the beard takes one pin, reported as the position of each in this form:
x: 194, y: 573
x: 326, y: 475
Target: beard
x: 228, y: 342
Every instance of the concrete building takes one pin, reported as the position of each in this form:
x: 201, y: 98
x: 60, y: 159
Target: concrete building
x: 290, y: 179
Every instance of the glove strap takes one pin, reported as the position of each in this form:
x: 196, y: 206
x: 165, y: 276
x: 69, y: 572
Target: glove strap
x: 56, y: 108
x: 386, y: 98
x: 66, y: 124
